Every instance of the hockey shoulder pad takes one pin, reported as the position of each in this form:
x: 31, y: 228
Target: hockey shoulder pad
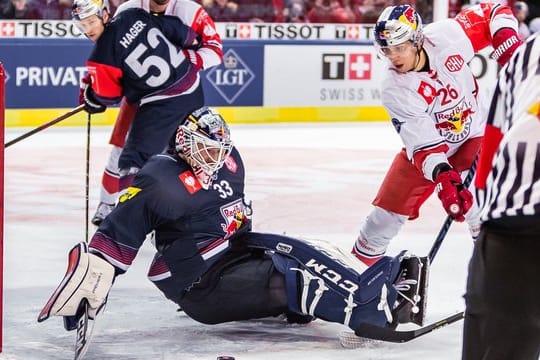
x: 87, y: 277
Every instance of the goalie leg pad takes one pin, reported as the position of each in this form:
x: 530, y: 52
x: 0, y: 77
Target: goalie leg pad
x: 326, y: 282
x: 314, y: 293
x: 88, y: 277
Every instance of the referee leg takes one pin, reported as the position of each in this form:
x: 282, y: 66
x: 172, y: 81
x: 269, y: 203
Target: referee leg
x: 502, y: 318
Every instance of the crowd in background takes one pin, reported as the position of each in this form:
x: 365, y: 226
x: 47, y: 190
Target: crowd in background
x: 288, y: 11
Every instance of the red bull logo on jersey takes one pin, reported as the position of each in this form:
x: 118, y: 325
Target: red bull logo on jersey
x: 234, y: 218
x: 455, y: 124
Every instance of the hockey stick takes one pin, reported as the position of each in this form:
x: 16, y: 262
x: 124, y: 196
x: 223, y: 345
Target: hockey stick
x: 353, y: 340
x: 87, y: 180
x: 449, y: 220
x: 46, y: 125
x: 85, y: 325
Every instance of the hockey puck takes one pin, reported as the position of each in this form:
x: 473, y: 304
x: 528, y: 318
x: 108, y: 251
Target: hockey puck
x: 225, y: 357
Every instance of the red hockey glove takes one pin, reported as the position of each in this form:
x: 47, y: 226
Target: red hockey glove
x: 505, y: 42
x: 455, y: 199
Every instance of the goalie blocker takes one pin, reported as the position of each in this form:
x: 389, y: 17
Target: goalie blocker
x: 88, y: 278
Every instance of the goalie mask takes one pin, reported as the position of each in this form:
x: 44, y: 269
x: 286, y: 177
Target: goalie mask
x: 398, y: 24
x: 203, y: 140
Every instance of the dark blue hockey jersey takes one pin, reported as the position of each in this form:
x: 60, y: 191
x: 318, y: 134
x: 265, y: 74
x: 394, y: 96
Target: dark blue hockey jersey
x: 193, y: 227
x: 141, y: 55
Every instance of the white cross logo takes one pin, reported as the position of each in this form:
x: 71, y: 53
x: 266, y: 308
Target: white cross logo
x: 244, y: 31
x: 360, y: 66
x: 7, y: 29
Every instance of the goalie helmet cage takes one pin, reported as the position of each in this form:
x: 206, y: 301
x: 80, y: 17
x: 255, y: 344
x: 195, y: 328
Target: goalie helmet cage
x: 2, y: 122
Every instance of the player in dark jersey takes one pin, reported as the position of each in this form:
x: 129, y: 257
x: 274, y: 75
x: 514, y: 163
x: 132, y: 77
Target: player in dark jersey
x: 209, y: 54
x: 147, y: 60
x: 209, y: 261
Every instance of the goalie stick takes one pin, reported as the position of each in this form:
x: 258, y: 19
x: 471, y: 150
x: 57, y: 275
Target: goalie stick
x: 85, y: 330
x: 352, y: 340
x: 83, y: 337
x: 85, y: 324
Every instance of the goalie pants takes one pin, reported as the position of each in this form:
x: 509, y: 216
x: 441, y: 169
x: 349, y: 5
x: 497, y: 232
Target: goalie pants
x: 241, y: 287
x: 502, y: 318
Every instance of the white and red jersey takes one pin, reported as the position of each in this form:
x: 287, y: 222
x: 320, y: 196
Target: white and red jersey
x: 436, y: 111
x: 192, y: 14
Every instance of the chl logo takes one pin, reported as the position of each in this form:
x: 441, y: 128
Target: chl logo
x: 346, y: 66
x: 231, y: 77
x: 454, y: 63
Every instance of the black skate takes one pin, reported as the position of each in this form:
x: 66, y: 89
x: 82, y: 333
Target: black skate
x: 411, y: 286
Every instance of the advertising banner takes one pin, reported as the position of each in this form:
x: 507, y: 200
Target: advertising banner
x: 55, y: 29
x: 39, y: 29
x: 268, y: 66
x: 296, y: 31
x: 46, y: 74
x: 327, y: 75
x: 41, y: 74
x: 238, y: 81
x: 338, y: 75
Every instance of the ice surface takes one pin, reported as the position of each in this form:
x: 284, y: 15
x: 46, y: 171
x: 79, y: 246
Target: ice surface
x: 310, y: 180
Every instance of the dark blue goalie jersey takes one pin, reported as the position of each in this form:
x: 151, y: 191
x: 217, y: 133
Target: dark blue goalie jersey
x: 141, y: 55
x: 193, y: 227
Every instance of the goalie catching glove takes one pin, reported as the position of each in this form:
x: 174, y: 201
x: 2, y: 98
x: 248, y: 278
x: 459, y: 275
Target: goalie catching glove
x: 88, y: 278
x: 455, y: 199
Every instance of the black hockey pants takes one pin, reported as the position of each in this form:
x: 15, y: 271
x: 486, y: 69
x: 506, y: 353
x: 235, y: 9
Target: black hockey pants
x: 502, y: 318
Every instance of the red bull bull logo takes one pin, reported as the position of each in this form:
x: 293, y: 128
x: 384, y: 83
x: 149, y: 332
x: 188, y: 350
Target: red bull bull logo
x: 234, y: 225
x: 455, y: 124
x: 234, y: 218
x: 408, y: 17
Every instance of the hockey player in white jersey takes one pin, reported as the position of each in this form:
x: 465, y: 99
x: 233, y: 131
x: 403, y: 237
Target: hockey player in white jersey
x: 432, y: 98
x: 208, y: 55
